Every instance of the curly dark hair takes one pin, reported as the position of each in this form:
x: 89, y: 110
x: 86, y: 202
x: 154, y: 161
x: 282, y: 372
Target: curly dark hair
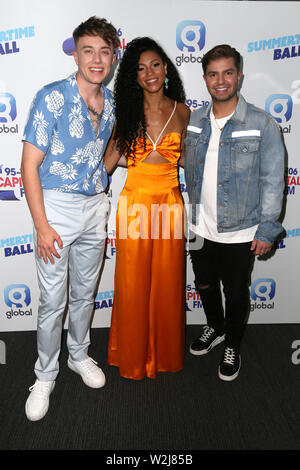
x: 129, y: 97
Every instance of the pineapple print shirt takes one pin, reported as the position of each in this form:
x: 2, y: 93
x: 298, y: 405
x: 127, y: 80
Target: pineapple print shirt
x: 59, y: 124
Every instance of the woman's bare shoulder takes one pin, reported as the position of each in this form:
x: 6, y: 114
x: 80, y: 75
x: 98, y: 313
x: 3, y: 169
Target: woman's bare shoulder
x: 184, y: 111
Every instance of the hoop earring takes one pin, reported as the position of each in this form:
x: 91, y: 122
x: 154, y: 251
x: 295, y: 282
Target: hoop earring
x: 166, y: 83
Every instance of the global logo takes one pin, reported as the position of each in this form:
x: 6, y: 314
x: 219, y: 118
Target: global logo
x: 190, y: 38
x: 280, y: 107
x: 8, y: 113
x: 263, y: 290
x: 17, y: 295
x: 182, y: 183
x: 8, y: 108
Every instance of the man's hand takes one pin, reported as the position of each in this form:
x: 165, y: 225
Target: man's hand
x: 260, y: 248
x: 45, y: 244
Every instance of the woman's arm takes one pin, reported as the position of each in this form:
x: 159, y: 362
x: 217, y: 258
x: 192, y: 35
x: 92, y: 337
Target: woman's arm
x: 186, y: 118
x: 181, y: 159
x: 123, y: 161
x: 112, y: 155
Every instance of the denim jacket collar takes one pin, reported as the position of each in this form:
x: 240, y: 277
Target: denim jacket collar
x: 239, y: 113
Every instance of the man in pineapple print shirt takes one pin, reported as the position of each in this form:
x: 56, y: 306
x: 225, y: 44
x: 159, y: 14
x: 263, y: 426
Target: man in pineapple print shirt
x: 69, y: 125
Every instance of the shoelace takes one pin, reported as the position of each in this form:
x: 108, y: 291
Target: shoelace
x: 208, y: 331
x: 229, y: 356
x: 40, y: 388
x: 89, y: 365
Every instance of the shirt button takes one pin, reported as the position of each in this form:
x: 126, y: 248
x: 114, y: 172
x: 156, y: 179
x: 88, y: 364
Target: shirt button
x: 245, y: 149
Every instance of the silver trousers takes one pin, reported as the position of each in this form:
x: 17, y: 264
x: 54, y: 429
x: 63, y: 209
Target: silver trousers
x: 81, y: 223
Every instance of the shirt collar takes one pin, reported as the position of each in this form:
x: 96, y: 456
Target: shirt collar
x: 240, y: 110
x: 107, y: 94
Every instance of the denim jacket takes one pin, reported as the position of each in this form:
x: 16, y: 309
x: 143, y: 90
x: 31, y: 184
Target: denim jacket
x: 250, y: 169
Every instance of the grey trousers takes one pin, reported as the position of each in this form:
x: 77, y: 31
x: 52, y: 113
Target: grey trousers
x: 81, y: 223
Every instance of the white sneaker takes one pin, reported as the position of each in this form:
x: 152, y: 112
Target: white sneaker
x: 37, y: 403
x: 92, y: 375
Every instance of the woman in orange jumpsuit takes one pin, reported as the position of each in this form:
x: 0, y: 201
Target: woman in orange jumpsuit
x: 148, y: 316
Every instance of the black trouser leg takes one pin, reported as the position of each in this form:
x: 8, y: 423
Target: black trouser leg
x: 231, y: 264
x: 235, y: 272
x: 207, y: 283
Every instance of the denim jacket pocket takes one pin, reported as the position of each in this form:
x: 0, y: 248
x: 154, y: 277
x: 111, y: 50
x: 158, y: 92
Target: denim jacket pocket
x: 244, y: 153
x: 191, y: 139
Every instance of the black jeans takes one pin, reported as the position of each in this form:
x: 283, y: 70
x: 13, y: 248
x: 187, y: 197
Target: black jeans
x: 230, y: 263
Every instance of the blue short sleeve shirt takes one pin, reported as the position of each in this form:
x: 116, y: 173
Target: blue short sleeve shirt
x: 59, y: 124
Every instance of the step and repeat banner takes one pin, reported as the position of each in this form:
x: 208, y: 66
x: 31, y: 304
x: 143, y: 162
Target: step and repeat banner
x: 35, y: 49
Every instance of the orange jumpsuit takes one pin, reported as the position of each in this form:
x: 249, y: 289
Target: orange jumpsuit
x: 148, y: 315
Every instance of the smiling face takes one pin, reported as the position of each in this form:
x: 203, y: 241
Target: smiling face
x: 94, y: 58
x: 151, y: 72
x: 222, y: 80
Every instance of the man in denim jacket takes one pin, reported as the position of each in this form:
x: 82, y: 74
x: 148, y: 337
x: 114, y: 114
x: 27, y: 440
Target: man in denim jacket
x: 234, y: 170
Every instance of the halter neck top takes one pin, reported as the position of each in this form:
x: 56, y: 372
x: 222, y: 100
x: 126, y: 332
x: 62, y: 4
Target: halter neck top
x: 168, y: 147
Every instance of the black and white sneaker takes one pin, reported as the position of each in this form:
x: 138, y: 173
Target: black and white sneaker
x: 208, y: 340
x: 230, y: 366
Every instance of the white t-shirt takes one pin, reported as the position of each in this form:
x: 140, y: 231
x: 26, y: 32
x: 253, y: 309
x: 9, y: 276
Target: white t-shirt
x: 207, y: 225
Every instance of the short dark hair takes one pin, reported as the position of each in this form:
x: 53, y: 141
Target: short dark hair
x: 219, y: 52
x: 95, y: 26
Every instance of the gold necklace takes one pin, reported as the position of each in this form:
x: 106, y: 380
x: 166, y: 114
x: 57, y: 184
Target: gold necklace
x: 220, y: 128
